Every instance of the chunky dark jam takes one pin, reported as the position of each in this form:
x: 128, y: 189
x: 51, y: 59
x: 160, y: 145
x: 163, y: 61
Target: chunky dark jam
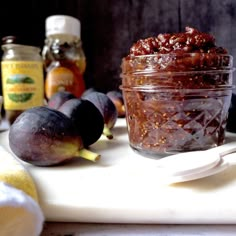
x: 177, y: 90
x: 190, y: 41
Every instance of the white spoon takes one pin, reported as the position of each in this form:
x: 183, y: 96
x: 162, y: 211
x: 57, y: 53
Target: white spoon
x: 197, y: 164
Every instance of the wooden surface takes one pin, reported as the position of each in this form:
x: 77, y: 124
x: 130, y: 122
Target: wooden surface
x: 109, y: 27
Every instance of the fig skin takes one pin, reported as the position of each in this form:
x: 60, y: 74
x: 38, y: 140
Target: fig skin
x: 87, y: 91
x: 107, y: 108
x: 59, y: 98
x: 117, y: 99
x: 44, y: 137
x: 86, y: 118
x: 231, y: 124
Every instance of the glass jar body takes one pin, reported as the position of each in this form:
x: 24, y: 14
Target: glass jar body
x: 22, y: 79
x: 176, y: 103
x: 64, y: 64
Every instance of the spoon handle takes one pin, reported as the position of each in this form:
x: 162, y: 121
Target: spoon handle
x: 230, y: 158
x: 226, y: 151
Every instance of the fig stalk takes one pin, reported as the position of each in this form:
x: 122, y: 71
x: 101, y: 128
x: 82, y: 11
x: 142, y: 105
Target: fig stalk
x: 107, y: 132
x: 88, y: 155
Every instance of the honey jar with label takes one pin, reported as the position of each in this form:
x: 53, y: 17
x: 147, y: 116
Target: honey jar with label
x: 64, y: 59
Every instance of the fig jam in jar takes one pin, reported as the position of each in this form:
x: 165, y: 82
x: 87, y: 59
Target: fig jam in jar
x: 177, y: 90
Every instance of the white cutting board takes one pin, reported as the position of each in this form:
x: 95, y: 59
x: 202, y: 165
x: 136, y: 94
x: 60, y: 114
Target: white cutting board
x: 124, y: 187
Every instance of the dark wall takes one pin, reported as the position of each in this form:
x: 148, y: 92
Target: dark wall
x: 109, y: 27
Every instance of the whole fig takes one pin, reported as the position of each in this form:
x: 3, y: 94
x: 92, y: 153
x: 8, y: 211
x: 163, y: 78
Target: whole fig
x: 86, y: 117
x: 59, y: 98
x: 43, y: 136
x: 107, y: 109
x: 87, y: 91
x: 117, y: 99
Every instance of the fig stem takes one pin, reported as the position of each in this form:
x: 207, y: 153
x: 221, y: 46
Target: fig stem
x: 123, y: 108
x: 88, y: 155
x: 107, y: 132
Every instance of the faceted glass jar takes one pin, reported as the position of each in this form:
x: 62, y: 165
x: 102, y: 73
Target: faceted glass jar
x: 176, y: 102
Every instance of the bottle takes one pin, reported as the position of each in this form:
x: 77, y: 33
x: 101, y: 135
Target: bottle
x: 22, y: 77
x: 63, y: 55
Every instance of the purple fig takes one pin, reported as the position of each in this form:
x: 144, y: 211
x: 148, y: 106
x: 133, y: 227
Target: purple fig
x: 107, y: 109
x: 86, y: 117
x: 117, y: 99
x: 59, y: 98
x: 43, y: 136
x: 87, y: 91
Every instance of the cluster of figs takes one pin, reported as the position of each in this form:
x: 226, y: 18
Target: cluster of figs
x: 65, y: 127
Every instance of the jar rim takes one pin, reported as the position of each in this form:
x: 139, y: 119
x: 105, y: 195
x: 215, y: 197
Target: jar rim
x: 13, y: 45
x: 155, y: 88
x: 152, y: 72
x: 177, y: 62
x: 176, y: 54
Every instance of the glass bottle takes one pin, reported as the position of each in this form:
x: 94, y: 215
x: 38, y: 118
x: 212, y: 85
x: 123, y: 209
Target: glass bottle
x: 22, y: 77
x: 63, y: 55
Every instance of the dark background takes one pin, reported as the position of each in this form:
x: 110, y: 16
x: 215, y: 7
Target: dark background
x: 110, y: 27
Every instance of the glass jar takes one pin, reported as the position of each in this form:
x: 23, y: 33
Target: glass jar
x: 176, y: 102
x: 63, y: 55
x: 22, y: 78
x: 0, y: 109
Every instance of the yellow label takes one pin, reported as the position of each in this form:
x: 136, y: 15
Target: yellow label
x: 23, y: 85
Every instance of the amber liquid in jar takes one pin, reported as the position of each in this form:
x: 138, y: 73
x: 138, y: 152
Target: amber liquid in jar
x: 64, y: 63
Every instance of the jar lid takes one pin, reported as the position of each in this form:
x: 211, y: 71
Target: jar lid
x: 17, y: 40
x: 62, y: 24
x: 9, y: 39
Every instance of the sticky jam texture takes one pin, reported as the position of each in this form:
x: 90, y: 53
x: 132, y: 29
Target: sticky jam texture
x: 191, y: 40
x: 177, y: 91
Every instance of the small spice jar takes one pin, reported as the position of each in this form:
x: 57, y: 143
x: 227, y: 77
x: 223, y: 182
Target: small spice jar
x: 22, y: 77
